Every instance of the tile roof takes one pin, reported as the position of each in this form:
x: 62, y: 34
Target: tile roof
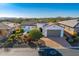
x: 71, y: 23
x: 29, y: 24
x: 11, y: 24
x: 3, y: 26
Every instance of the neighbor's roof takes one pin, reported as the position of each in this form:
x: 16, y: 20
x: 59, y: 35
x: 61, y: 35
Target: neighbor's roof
x: 10, y: 24
x: 29, y: 24
x: 71, y: 23
x: 3, y: 26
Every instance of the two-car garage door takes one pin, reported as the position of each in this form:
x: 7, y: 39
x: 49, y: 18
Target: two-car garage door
x: 53, y: 33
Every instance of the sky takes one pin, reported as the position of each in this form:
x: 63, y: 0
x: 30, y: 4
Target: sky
x: 39, y: 10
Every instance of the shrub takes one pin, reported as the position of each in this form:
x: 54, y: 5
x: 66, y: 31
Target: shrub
x: 35, y: 34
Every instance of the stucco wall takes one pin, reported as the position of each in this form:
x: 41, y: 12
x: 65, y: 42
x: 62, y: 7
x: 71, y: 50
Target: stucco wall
x: 53, y: 28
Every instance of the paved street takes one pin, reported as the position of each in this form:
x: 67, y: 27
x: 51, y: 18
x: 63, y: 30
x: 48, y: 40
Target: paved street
x: 69, y: 52
x: 34, y: 52
x: 19, y: 52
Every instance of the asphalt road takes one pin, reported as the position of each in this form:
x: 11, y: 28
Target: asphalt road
x: 69, y: 52
x: 34, y: 52
x: 19, y: 52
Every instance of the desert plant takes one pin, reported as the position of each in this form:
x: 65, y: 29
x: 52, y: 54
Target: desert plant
x: 35, y: 34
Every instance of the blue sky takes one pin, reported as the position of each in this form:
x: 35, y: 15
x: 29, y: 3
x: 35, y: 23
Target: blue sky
x: 38, y: 10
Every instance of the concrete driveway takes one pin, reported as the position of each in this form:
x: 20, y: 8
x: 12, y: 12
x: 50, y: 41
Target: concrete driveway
x: 54, y: 42
x: 66, y: 51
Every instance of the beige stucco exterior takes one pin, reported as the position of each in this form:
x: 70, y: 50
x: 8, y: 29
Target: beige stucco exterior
x: 69, y: 30
x: 70, y: 26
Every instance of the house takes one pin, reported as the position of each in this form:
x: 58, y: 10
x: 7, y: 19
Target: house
x: 70, y: 26
x: 47, y: 30
x: 13, y: 26
x: 53, y: 31
x: 41, y: 25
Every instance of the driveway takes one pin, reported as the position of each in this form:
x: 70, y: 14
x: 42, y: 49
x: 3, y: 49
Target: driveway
x: 51, y: 43
x: 65, y: 51
x: 56, y: 42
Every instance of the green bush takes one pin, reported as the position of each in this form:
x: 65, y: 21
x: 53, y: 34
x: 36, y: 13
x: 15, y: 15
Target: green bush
x: 21, y: 31
x: 35, y: 34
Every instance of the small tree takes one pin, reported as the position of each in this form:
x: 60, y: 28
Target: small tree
x: 13, y: 37
x: 35, y: 34
x: 18, y: 31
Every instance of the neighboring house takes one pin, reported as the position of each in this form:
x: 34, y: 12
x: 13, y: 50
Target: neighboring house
x: 28, y: 26
x: 70, y: 26
x: 53, y: 31
x: 4, y: 30
x: 12, y: 25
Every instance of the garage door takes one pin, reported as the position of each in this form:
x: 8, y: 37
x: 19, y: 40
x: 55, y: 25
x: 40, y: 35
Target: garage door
x: 53, y: 33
